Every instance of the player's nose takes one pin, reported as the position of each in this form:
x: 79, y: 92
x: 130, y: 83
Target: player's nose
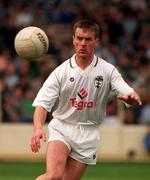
x: 83, y: 42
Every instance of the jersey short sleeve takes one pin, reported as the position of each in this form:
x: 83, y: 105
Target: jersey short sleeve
x: 48, y: 94
x: 118, y: 85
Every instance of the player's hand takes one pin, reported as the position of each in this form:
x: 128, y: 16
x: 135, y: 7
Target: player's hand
x: 132, y: 99
x: 35, y: 140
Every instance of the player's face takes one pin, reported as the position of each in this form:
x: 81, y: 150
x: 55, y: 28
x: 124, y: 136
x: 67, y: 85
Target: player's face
x: 84, y: 42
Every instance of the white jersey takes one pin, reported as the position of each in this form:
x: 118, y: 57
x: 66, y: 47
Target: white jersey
x: 81, y: 94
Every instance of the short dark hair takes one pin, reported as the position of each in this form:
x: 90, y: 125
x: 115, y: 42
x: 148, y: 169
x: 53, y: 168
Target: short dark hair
x: 87, y: 24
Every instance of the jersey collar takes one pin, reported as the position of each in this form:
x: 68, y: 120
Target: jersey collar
x: 73, y: 63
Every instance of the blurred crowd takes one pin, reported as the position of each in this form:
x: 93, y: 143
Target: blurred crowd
x: 124, y: 42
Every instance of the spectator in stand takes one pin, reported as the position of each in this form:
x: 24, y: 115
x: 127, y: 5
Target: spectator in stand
x: 26, y: 104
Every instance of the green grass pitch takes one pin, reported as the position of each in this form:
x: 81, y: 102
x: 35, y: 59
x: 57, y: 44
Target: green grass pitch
x: 102, y: 171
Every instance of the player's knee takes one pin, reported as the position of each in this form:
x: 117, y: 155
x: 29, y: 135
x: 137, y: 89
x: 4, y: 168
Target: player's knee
x: 53, y: 177
x: 42, y: 177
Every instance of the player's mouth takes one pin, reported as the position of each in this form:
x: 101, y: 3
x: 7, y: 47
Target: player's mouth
x: 82, y: 51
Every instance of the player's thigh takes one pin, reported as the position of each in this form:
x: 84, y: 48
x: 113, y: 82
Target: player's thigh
x: 56, y: 157
x: 74, y: 169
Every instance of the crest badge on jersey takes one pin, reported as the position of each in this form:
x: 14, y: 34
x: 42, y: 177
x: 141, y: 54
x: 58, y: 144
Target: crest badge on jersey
x: 98, y: 81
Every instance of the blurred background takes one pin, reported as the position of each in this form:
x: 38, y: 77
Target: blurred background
x: 124, y: 42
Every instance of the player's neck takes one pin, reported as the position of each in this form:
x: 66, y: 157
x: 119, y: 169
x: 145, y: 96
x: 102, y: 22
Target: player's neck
x: 83, y: 62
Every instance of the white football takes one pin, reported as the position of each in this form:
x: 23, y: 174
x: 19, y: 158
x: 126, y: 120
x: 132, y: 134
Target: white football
x: 31, y: 43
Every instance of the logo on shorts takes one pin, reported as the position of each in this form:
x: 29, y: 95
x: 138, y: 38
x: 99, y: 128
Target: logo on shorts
x: 81, y: 104
x: 94, y: 156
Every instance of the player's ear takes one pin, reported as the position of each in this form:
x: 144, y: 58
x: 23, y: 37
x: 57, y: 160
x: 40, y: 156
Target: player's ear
x: 73, y: 38
x: 97, y: 42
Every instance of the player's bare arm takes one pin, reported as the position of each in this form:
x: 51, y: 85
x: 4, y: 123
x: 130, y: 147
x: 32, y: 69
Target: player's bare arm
x: 132, y: 98
x: 38, y: 134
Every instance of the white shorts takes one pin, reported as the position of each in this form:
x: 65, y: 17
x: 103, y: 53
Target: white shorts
x: 81, y: 140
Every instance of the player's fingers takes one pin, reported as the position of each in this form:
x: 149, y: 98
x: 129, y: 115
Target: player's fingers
x: 44, y: 137
x: 136, y: 99
x: 131, y: 96
x: 37, y: 141
x: 139, y: 102
x: 122, y: 97
x: 33, y: 145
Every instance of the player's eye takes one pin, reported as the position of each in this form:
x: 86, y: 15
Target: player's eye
x: 88, y: 39
x: 79, y: 38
